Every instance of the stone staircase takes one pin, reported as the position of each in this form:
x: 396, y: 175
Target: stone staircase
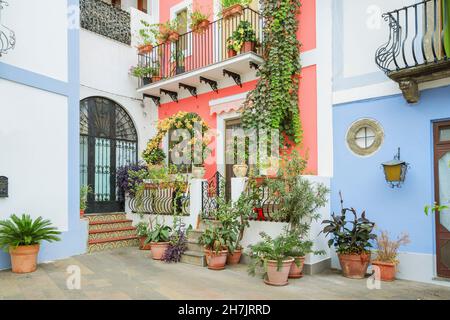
x: 194, y: 254
x: 109, y: 231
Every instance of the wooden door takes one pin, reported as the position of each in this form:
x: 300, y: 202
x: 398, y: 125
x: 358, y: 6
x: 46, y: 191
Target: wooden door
x: 442, y: 195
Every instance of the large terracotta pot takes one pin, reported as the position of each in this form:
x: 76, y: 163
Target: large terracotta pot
x: 24, y: 258
x: 235, y: 257
x: 216, y: 261
x: 158, y: 249
x: 248, y: 46
x: 240, y: 170
x: 198, y: 172
x: 277, y: 277
x: 354, y: 266
x: 143, y: 245
x: 387, y: 270
x: 232, y: 11
x: 296, y: 272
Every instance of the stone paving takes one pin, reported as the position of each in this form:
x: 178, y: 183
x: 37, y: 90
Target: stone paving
x: 128, y: 273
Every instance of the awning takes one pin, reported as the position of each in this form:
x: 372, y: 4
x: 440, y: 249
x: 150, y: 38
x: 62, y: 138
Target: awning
x: 227, y: 107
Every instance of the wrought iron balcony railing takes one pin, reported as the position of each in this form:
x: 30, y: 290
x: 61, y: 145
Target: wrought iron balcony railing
x: 195, y: 50
x: 419, y: 35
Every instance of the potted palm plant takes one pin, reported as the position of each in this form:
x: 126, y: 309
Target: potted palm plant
x: 271, y: 256
x: 215, y: 243
x: 387, y: 251
x: 352, y: 243
x: 21, y: 236
x: 159, y: 237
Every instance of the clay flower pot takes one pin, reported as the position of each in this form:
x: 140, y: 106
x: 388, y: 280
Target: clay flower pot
x: 173, y: 36
x: 235, y: 257
x: 24, y: 258
x: 248, y: 46
x: 354, y: 266
x: 145, y: 48
x: 198, y: 172
x: 232, y: 11
x: 296, y: 272
x: 81, y: 213
x: 216, y: 261
x: 143, y: 245
x: 231, y: 53
x: 158, y: 249
x: 240, y: 170
x: 277, y: 277
x: 201, y: 26
x: 387, y: 270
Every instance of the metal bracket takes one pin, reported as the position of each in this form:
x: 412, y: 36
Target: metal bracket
x: 192, y: 90
x: 254, y: 65
x: 156, y: 100
x: 212, y: 83
x: 236, y: 77
x: 173, y: 95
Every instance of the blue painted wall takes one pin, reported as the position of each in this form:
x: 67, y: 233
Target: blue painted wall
x: 361, y: 180
x: 74, y: 241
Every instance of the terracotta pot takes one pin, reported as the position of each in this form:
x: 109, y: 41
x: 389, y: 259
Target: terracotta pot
x: 158, y: 249
x: 216, y: 261
x: 296, y: 272
x: 201, y: 26
x: 24, y: 258
x: 143, y: 245
x: 145, y: 48
x: 231, y: 53
x: 173, y: 36
x: 387, y: 270
x: 198, y: 172
x: 234, y: 258
x: 232, y: 11
x: 354, y: 266
x: 81, y: 213
x: 248, y: 46
x: 240, y: 170
x: 277, y: 277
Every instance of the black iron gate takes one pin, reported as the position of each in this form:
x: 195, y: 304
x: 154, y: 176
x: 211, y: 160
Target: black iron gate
x: 108, y: 140
x: 212, y: 189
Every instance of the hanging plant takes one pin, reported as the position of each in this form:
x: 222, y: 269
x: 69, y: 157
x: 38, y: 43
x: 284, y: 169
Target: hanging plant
x: 274, y: 102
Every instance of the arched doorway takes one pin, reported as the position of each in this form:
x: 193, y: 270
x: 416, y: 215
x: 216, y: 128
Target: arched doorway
x: 108, y: 141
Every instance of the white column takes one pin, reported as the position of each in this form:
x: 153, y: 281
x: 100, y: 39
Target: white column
x: 237, y: 188
x: 195, y: 207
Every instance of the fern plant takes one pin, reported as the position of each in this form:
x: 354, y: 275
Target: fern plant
x: 24, y: 231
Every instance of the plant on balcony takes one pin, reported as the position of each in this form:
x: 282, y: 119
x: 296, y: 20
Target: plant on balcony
x: 158, y: 237
x: 214, y: 239
x: 21, y: 236
x: 271, y: 257
x: 168, y: 31
x: 387, y: 252
x: 352, y: 243
x: 147, y: 37
x: 199, y: 21
x: 232, y: 8
x: 148, y: 74
x: 84, y: 192
x: 274, y: 102
x: 245, y: 35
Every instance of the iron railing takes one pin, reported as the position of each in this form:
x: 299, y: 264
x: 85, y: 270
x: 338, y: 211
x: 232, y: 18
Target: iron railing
x: 418, y: 34
x: 161, y: 201
x: 195, y: 50
x: 212, y: 190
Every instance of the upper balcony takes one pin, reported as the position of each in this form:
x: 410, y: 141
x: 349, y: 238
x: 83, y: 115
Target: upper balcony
x: 201, y: 56
x: 418, y: 48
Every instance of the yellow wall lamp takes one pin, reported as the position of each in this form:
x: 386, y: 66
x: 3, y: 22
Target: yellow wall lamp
x: 395, y: 171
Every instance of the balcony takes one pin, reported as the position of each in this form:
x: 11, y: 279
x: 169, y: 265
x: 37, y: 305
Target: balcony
x: 197, y: 58
x: 418, y: 48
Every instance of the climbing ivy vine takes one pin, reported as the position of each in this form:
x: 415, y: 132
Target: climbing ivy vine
x: 274, y: 102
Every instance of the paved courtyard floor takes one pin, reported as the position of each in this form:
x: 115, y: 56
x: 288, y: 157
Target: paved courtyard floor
x: 128, y: 273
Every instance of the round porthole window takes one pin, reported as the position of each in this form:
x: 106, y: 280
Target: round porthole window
x: 365, y: 137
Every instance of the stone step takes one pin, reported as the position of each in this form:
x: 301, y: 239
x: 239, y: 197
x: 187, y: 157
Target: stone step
x: 109, y: 225
x: 114, y: 233
x: 194, y: 246
x: 194, y: 258
x: 105, y: 217
x: 113, y: 243
x: 194, y: 235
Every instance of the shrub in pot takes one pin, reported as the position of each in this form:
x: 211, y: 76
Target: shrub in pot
x: 84, y: 192
x: 199, y: 22
x: 352, y: 240
x: 215, y: 243
x: 271, y: 257
x: 245, y: 36
x: 21, y: 236
x: 158, y: 238
x: 142, y: 233
x: 387, y: 251
x: 148, y: 74
x: 233, y: 47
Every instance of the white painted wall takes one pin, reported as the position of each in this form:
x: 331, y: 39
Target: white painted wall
x: 34, y: 152
x: 41, y: 43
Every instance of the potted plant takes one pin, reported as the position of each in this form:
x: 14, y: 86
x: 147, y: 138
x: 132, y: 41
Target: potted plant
x: 21, y: 236
x: 233, y: 47
x: 147, y: 37
x: 387, y: 251
x: 271, y: 256
x: 232, y: 8
x: 168, y: 31
x: 245, y: 36
x: 148, y: 74
x: 84, y: 192
x: 351, y: 243
x: 242, y: 210
x: 158, y: 237
x: 177, y: 242
x: 215, y: 246
x: 199, y: 22
x: 142, y: 233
